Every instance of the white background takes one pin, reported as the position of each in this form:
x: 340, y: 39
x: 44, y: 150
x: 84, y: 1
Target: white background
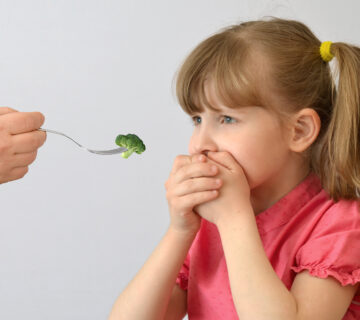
x: 79, y: 226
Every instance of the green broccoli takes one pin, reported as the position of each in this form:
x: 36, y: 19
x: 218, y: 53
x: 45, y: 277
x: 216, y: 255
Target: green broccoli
x: 130, y: 141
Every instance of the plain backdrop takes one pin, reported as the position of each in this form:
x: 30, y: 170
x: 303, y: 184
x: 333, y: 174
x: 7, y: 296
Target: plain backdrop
x: 79, y: 226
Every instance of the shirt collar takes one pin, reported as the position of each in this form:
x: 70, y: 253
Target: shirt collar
x: 281, y: 211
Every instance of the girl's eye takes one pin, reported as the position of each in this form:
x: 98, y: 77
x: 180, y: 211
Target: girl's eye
x: 227, y: 119
x: 196, y: 120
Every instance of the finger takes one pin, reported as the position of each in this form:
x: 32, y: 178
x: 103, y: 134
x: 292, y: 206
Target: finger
x: 192, y: 200
x: 5, y: 110
x: 28, y: 142
x: 199, y: 158
x: 195, y: 170
x: 17, y: 173
x: 23, y: 159
x: 225, y: 159
x: 21, y: 122
x: 197, y: 185
x: 182, y: 160
x: 14, y: 174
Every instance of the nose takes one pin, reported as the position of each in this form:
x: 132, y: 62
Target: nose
x: 201, y: 142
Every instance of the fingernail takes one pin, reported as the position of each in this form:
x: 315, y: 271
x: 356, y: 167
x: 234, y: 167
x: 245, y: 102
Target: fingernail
x: 201, y: 158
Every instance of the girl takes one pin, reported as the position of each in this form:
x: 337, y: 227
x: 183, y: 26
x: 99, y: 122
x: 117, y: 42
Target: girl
x: 265, y: 219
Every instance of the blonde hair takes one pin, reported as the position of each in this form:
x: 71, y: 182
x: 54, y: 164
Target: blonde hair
x: 294, y: 70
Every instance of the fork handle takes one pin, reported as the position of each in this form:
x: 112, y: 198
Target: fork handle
x: 62, y: 134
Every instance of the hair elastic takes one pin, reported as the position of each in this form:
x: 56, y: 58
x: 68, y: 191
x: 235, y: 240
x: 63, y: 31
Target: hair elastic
x: 325, y: 53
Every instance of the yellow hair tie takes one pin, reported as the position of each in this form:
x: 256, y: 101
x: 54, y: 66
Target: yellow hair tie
x: 325, y: 51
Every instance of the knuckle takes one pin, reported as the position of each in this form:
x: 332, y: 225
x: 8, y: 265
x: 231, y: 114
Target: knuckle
x: 181, y: 160
x: 5, y: 146
x: 195, y: 157
x: 178, y: 159
x: 7, y: 110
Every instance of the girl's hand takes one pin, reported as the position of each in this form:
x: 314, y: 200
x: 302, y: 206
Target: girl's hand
x: 191, y: 182
x: 234, y: 195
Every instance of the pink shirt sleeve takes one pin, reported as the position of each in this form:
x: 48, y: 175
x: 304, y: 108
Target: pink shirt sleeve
x: 183, y: 276
x: 333, y: 249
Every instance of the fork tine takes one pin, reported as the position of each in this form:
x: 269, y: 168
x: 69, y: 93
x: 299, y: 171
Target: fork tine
x: 108, y: 152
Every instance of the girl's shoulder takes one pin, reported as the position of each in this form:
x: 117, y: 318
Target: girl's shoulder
x: 342, y: 214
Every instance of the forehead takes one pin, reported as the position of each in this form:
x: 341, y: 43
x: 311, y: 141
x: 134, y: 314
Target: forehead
x: 215, y: 104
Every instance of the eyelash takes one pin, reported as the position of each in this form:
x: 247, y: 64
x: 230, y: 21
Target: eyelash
x: 195, y: 123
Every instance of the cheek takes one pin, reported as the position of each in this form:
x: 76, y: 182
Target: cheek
x: 260, y: 157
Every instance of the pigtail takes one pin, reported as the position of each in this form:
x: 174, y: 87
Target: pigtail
x: 339, y: 165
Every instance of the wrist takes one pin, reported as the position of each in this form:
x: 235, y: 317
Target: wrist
x: 184, y: 235
x: 239, y: 216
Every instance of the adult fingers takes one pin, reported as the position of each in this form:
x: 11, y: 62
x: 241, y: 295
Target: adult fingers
x: 17, y: 173
x: 13, y: 174
x: 23, y: 159
x: 28, y: 142
x: 21, y: 122
x: 5, y: 110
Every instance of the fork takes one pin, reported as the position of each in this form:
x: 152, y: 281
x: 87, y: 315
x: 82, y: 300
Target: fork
x: 102, y: 152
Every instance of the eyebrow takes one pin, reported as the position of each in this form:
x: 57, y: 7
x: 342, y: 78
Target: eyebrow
x: 227, y: 110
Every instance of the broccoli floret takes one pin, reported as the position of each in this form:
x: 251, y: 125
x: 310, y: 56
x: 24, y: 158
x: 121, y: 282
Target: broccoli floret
x: 130, y: 141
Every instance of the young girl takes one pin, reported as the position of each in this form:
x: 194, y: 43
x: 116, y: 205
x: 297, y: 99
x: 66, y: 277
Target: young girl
x: 265, y: 218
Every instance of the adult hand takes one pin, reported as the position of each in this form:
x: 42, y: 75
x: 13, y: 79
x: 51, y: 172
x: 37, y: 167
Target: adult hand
x: 19, y: 141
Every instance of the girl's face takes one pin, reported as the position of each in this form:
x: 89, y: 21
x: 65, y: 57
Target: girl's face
x: 252, y: 135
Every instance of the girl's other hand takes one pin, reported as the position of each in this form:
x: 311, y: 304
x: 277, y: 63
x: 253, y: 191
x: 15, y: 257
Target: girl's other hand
x: 234, y: 195
x: 191, y: 182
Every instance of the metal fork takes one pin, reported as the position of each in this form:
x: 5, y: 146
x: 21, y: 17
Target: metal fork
x: 103, y: 152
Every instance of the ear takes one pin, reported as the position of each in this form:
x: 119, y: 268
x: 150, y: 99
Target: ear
x: 305, y: 128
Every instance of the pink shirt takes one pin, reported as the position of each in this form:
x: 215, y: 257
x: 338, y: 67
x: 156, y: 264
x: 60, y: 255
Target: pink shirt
x: 304, y: 230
